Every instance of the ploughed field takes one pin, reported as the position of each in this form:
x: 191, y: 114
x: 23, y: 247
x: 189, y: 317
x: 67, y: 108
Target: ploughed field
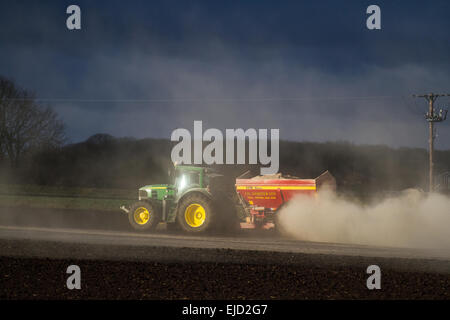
x: 236, y: 274
x: 122, y: 265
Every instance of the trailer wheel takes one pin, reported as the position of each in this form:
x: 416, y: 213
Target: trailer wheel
x: 144, y: 216
x: 195, y: 213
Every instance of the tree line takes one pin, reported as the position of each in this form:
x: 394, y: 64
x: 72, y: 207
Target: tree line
x: 104, y: 161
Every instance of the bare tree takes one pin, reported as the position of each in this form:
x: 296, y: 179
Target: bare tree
x: 24, y: 124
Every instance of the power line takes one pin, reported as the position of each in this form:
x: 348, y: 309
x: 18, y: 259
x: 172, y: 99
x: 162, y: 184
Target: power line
x: 177, y: 100
x: 413, y: 108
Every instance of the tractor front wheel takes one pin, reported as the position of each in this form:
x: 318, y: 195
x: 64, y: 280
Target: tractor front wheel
x: 143, y: 216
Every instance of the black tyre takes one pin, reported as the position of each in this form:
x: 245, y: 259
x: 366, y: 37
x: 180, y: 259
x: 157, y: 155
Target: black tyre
x: 144, y: 215
x: 195, y: 213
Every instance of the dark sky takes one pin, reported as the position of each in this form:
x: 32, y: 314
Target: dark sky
x: 310, y: 68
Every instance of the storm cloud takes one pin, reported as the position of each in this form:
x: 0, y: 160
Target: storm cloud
x: 311, y: 69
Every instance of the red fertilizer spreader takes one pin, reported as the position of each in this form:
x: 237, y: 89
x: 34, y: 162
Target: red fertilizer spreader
x: 262, y: 197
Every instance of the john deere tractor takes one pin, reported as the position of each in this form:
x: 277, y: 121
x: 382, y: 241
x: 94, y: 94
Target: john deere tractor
x: 193, y: 202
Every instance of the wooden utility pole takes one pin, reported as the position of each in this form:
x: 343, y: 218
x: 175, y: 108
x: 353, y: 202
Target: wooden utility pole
x: 432, y: 117
x: 431, y: 100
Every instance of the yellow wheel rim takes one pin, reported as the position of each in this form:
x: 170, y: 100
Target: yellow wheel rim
x: 195, y: 215
x: 141, y: 215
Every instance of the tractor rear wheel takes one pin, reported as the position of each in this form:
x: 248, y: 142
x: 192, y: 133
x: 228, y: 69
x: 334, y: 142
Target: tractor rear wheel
x: 143, y: 215
x: 195, y: 213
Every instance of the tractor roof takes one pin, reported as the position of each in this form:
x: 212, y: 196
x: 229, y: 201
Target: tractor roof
x: 207, y: 170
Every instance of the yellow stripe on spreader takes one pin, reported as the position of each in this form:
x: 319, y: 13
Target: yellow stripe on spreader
x: 158, y: 188
x: 275, y: 188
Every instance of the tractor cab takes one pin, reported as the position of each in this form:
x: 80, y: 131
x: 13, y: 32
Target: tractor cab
x: 186, y: 177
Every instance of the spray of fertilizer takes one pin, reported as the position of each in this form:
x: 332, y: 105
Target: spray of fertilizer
x: 412, y: 219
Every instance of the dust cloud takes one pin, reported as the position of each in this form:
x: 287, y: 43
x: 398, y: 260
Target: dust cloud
x: 411, y: 219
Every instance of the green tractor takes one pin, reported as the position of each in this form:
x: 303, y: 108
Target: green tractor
x: 194, y: 202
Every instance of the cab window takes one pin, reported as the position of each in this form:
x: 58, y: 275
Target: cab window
x: 187, y: 179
